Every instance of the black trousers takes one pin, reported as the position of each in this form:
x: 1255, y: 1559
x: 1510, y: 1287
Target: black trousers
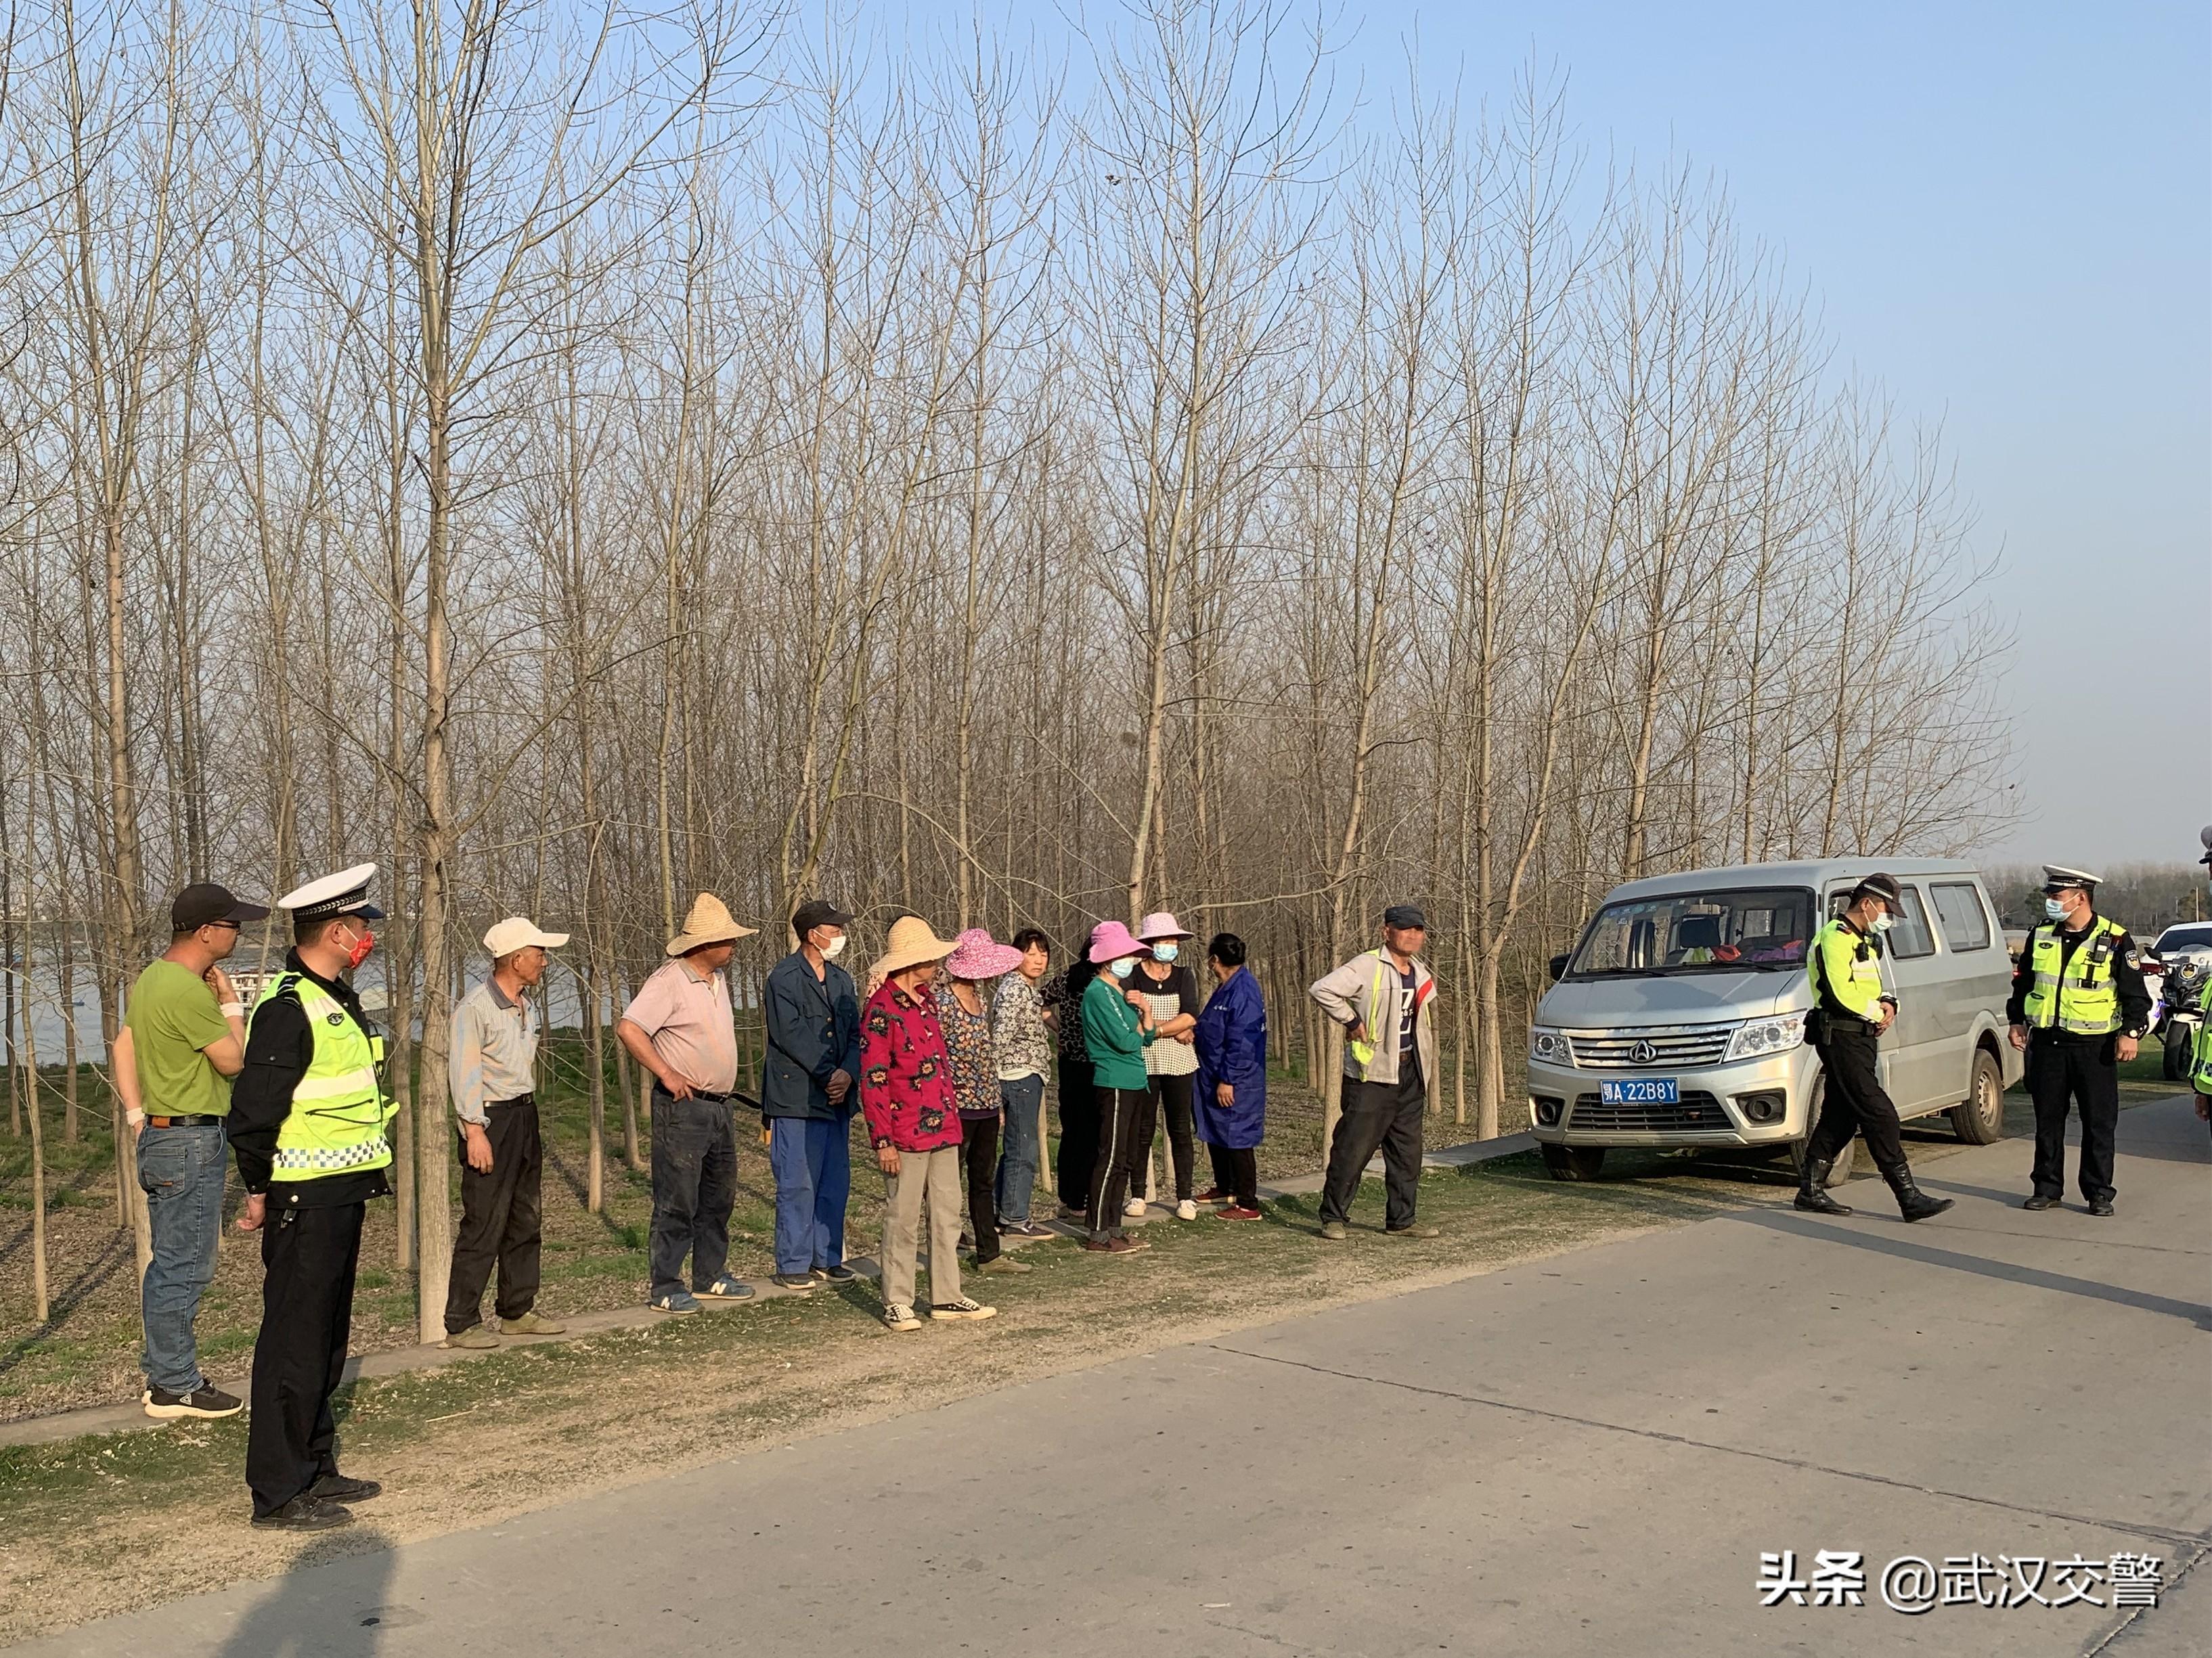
x: 1376, y: 1116
x: 979, y: 1150
x: 502, y: 1218
x: 1117, y: 1110
x: 1078, y: 1131
x: 1237, y: 1171
x: 308, y: 1258
x: 1169, y: 1098
x: 695, y: 1184
x: 2082, y: 1072
x: 1854, y: 1101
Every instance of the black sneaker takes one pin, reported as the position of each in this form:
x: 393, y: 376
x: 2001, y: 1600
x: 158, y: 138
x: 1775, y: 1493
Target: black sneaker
x: 337, y: 1488
x: 2100, y: 1205
x: 795, y: 1281
x: 208, y: 1404
x: 838, y: 1274
x: 305, y: 1513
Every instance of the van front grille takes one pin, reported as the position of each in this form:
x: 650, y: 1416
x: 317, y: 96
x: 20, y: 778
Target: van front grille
x: 1681, y: 1047
x: 1697, y: 1111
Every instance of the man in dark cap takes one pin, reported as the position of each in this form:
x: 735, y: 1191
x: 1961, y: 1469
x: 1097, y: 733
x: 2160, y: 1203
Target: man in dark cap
x: 813, y: 1058
x: 183, y: 1040
x: 1382, y: 999
x: 308, y: 1125
x: 1850, y: 1011
x: 2079, y: 1006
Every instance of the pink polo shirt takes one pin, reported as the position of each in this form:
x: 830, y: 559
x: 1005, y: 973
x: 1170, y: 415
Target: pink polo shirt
x: 688, y: 1017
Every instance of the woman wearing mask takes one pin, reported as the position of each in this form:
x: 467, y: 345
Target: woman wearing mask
x: 1231, y: 1040
x: 1117, y: 1028
x: 1170, y: 989
x: 965, y: 1016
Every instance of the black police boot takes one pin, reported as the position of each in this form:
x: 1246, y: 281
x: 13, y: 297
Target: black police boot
x: 1813, y: 1188
x: 1912, y: 1203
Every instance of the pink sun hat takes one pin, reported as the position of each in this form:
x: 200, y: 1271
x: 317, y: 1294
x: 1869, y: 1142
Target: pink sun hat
x: 1111, y: 941
x: 1159, y: 924
x: 976, y: 954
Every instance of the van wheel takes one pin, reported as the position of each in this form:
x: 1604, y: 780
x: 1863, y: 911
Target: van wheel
x: 1980, y: 1118
x: 1840, y: 1170
x: 1577, y: 1162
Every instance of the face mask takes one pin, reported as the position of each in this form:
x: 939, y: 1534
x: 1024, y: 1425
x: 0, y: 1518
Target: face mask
x: 834, y: 949
x: 362, y: 946
x: 1883, y: 923
x: 2054, y: 909
x: 1124, y: 968
x: 1165, y: 952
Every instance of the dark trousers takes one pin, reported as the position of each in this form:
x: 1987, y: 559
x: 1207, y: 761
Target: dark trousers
x: 502, y: 1216
x: 695, y: 1183
x: 2079, y: 1072
x: 1384, y: 1117
x: 308, y: 1259
x: 1169, y: 1098
x: 1237, y: 1171
x: 979, y: 1150
x: 1117, y: 1160
x: 1854, y: 1101
x: 1079, y: 1131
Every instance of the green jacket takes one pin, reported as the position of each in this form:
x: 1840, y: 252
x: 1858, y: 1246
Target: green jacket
x: 1115, y: 1034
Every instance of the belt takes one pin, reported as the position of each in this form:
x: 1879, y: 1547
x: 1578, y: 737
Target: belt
x: 697, y: 1093
x: 519, y: 1099
x: 183, y: 1122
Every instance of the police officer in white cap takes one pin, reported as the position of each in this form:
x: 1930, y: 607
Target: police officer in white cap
x: 2078, y: 1007
x: 308, y: 1122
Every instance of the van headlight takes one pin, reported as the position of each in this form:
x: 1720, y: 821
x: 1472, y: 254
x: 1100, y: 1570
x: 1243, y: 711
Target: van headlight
x: 1550, y: 1047
x: 1756, y: 1039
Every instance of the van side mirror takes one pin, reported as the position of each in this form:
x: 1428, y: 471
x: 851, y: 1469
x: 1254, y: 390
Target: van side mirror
x: 1559, y: 968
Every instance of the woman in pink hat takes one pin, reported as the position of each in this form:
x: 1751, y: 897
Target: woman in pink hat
x: 965, y: 1016
x: 1170, y: 989
x: 1117, y: 1028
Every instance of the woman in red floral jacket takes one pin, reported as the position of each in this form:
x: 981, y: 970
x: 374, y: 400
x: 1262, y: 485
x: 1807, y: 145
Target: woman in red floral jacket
x: 914, y: 1122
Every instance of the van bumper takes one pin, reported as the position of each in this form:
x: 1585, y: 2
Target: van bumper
x: 1758, y: 1102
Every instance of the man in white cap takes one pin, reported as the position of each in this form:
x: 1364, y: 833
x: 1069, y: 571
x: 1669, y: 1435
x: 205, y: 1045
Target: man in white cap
x: 2078, y: 1007
x: 680, y: 1028
x: 308, y: 1127
x: 493, y: 1077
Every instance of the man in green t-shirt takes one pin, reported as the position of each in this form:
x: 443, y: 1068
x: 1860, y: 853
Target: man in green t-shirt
x: 183, y: 1040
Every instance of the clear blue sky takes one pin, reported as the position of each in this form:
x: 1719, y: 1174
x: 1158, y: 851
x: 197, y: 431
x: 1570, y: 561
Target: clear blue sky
x: 2005, y: 214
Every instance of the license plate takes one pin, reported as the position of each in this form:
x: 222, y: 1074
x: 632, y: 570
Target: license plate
x: 1641, y: 1091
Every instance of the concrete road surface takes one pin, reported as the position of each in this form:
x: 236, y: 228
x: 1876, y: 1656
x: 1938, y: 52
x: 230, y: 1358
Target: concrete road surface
x: 1586, y: 1454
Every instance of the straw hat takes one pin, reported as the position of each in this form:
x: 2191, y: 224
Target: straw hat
x: 1111, y: 941
x: 978, y: 956
x: 913, y: 941
x: 1160, y: 925
x: 707, y: 921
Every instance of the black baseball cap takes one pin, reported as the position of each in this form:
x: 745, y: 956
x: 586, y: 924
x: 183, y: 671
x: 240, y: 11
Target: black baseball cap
x: 205, y: 904
x: 1404, y: 917
x: 1884, y: 887
x: 819, y: 912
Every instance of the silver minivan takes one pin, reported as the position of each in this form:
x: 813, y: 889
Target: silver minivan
x: 1679, y: 1018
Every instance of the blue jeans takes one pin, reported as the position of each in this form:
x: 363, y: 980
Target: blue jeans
x: 811, y: 1160
x: 1018, y: 1162
x: 181, y: 1172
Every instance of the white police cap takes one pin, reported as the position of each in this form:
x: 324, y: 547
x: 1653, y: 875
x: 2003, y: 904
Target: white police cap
x: 345, y: 893
x: 2057, y: 874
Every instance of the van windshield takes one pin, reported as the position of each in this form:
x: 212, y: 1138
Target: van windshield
x: 1754, y: 929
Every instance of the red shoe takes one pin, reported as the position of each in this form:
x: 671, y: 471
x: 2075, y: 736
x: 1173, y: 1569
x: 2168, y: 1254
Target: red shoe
x: 1237, y: 1212
x: 1215, y: 1194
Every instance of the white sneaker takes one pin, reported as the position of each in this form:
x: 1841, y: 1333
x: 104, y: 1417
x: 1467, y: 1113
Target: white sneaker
x: 962, y: 1307
x: 900, y: 1316
x: 1186, y: 1209
x: 1133, y: 1207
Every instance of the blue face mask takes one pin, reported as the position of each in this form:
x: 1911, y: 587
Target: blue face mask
x: 1125, y: 966
x: 1165, y: 952
x: 2054, y: 909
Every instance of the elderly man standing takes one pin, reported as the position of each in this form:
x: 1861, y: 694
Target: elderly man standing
x: 679, y: 1027
x: 1382, y: 999
x: 813, y: 1060
x: 493, y: 1078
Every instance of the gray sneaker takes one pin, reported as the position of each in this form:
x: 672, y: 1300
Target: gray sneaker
x: 682, y: 1302
x: 1333, y: 1230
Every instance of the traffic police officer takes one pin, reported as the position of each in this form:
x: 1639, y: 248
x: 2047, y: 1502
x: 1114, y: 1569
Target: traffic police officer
x: 308, y: 1125
x: 2200, y: 1067
x: 2078, y: 1007
x: 1850, y: 1013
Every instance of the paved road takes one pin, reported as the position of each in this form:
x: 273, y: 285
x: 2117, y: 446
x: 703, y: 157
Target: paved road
x: 1585, y: 1455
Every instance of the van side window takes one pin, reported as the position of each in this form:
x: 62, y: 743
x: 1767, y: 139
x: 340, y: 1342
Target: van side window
x: 1959, y: 906
x: 1910, y: 936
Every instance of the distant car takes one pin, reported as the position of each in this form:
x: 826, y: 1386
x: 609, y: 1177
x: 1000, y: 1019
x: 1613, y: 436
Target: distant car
x: 2191, y: 936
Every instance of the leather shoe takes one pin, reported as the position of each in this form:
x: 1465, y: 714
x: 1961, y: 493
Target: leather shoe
x: 2040, y: 1201
x: 305, y: 1513
x: 2100, y: 1205
x: 337, y: 1488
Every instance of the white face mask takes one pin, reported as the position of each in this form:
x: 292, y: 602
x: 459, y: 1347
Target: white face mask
x: 1165, y: 952
x: 834, y: 949
x: 1883, y: 923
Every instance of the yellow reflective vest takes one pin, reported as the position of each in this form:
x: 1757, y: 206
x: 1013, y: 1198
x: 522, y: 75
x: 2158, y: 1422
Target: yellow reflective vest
x: 337, y: 1122
x: 2200, y: 1069
x: 2081, y: 998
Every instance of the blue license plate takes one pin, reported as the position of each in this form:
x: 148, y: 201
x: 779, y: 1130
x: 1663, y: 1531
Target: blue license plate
x: 1641, y: 1091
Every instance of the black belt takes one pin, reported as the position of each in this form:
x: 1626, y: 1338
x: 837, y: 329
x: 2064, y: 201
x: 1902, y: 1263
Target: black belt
x: 183, y: 1122
x: 662, y: 1089
x: 519, y: 1099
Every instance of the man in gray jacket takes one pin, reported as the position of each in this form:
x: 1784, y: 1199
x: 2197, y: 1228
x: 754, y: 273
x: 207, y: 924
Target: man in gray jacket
x: 808, y: 1097
x: 1382, y: 997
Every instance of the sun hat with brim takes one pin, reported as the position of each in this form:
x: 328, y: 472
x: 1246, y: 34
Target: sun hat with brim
x: 913, y: 941
x: 708, y: 921
x: 520, y: 933
x: 977, y: 955
x: 1111, y: 941
x: 1160, y: 926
